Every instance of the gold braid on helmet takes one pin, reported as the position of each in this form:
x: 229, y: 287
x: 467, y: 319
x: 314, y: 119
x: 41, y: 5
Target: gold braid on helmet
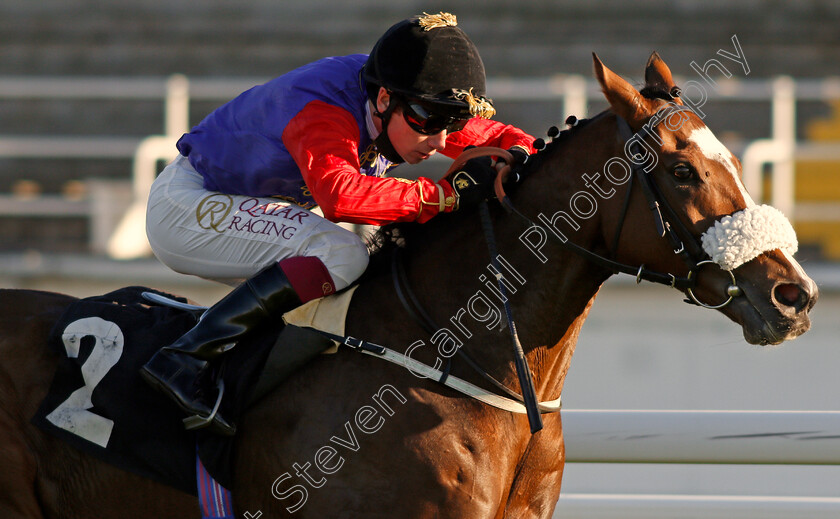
x: 479, y: 106
x: 434, y: 21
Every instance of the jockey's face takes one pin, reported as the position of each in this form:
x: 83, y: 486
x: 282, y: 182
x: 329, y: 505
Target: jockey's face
x: 413, y: 147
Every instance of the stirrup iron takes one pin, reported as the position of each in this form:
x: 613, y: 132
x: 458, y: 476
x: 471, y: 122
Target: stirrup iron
x: 198, y: 421
x: 165, y: 301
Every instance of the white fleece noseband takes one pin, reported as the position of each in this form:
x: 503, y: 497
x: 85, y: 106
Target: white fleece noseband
x: 736, y: 239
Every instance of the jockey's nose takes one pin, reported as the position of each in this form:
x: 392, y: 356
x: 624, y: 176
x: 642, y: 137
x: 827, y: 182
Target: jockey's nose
x: 438, y: 141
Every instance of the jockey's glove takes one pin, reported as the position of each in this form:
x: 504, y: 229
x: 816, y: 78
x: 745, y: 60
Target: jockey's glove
x: 473, y: 183
x: 520, y: 157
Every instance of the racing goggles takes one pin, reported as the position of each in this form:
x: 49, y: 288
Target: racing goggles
x: 421, y: 120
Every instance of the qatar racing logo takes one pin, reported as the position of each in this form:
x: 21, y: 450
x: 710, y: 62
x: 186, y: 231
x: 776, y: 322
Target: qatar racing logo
x: 251, y: 216
x: 212, y: 211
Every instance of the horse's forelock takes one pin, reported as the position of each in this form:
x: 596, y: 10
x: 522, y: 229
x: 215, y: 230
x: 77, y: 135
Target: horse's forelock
x: 657, y: 92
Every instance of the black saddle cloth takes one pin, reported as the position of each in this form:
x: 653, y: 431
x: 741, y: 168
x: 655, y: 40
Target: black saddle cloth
x: 98, y: 403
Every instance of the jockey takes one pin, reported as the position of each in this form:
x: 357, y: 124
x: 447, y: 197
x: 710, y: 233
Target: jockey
x: 235, y: 205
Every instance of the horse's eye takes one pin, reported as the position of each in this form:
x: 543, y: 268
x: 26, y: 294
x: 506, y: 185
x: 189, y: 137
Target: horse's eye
x: 682, y: 172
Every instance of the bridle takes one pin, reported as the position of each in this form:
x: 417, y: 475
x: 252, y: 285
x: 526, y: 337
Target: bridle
x: 670, y: 227
x: 683, y: 243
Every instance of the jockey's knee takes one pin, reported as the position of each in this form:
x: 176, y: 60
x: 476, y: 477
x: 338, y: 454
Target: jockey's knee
x: 346, y: 261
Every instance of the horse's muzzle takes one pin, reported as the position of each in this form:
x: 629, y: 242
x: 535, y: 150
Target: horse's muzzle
x: 786, y: 317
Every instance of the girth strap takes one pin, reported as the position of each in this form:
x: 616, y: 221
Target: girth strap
x: 416, y: 367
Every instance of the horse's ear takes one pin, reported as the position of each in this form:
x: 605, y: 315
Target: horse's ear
x: 658, y: 76
x: 625, y: 100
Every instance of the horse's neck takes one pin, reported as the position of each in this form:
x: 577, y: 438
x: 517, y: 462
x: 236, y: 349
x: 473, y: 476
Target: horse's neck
x: 560, y: 286
x: 549, y: 310
x: 455, y: 281
x: 551, y: 289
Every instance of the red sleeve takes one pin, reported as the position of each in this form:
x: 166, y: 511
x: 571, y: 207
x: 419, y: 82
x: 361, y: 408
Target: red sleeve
x: 323, y: 140
x: 484, y: 132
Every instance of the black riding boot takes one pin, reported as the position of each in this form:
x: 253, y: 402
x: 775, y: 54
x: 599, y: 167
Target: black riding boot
x: 182, y: 370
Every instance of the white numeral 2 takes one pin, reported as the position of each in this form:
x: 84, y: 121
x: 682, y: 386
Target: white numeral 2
x: 73, y: 415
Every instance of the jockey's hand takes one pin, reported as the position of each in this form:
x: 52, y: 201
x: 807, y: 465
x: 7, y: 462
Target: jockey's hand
x: 473, y: 183
x: 520, y: 157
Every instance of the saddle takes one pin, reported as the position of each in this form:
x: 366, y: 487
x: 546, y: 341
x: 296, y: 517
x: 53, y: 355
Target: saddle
x: 98, y: 403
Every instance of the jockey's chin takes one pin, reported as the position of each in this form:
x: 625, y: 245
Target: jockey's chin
x: 417, y: 157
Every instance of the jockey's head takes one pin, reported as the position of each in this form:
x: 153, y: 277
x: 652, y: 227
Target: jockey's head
x: 429, y: 72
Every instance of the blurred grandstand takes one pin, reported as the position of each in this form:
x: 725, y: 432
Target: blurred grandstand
x: 83, y: 83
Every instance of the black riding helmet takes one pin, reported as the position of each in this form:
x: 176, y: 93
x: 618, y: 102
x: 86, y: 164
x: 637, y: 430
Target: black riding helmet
x: 430, y: 60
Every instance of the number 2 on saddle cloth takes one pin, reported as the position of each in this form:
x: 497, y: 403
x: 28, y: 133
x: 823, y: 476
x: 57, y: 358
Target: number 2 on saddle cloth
x: 98, y: 403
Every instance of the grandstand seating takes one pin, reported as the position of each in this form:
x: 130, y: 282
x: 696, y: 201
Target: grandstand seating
x: 263, y: 38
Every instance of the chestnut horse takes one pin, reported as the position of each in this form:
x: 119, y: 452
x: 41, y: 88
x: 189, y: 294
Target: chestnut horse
x: 351, y: 436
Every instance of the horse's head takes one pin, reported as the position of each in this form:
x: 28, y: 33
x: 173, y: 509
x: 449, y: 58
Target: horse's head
x: 734, y: 250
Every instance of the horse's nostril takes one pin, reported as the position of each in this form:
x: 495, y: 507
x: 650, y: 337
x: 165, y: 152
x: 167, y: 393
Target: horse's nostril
x: 789, y: 294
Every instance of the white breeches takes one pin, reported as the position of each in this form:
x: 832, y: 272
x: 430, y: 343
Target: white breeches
x: 229, y: 238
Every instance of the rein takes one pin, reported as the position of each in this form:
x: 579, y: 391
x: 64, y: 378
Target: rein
x: 418, y: 313
x: 528, y: 403
x: 523, y: 372
x: 641, y: 273
x: 663, y: 227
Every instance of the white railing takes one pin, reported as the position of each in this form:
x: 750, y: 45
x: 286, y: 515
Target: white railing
x: 700, y: 437
x: 687, y: 506
x: 770, y: 437
x: 573, y: 93
x: 782, y: 148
